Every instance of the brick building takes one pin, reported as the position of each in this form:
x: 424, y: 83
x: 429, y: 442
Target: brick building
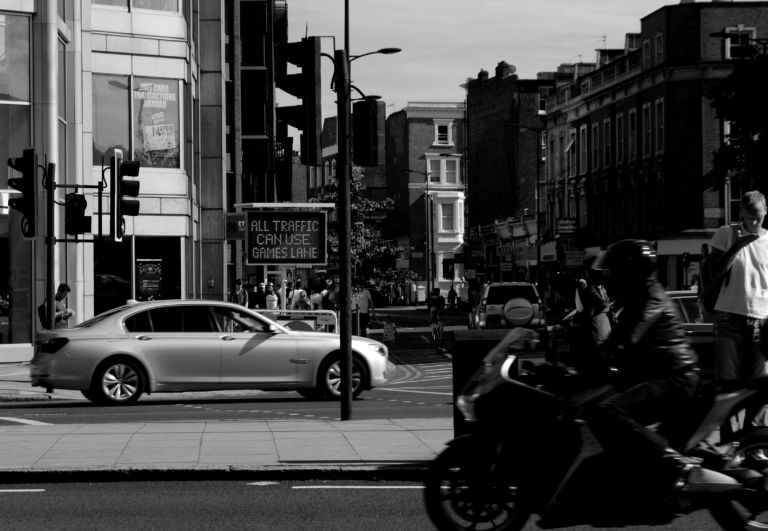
x: 630, y: 143
x: 424, y: 161
x: 504, y: 167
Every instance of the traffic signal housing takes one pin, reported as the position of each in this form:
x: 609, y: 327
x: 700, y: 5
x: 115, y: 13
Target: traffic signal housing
x: 305, y: 85
x: 122, y: 198
x: 75, y: 220
x: 368, y: 132
x: 26, y: 165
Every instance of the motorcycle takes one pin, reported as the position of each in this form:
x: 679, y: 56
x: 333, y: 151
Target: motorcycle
x: 529, y: 451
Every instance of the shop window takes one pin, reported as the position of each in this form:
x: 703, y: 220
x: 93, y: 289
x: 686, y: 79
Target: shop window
x: 157, y: 122
x: 111, y: 127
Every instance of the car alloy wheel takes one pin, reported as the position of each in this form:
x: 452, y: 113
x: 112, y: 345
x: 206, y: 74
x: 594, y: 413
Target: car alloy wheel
x: 330, y: 378
x: 119, y: 382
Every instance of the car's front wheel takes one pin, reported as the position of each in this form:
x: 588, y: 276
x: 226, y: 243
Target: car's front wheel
x: 329, y: 377
x: 119, y: 381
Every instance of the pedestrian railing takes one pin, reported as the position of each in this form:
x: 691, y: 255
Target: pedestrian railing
x: 304, y: 320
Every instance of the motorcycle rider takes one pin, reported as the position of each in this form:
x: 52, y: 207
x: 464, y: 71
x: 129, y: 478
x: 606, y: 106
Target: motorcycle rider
x: 657, y: 367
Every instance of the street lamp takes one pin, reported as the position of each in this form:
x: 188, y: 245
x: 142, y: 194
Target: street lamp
x: 342, y: 72
x: 429, y: 241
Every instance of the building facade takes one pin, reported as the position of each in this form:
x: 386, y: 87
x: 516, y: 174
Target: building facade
x: 630, y: 142
x: 186, y: 88
x: 425, y: 154
x: 505, y: 155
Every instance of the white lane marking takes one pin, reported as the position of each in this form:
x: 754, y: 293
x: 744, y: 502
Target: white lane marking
x: 369, y: 487
x: 263, y: 483
x: 8, y: 491
x: 412, y: 391
x: 26, y: 421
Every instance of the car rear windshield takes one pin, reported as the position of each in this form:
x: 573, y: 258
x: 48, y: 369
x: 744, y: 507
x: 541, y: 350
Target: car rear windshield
x: 98, y: 318
x: 501, y: 294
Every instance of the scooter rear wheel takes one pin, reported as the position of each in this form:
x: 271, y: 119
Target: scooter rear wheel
x: 461, y: 493
x: 748, y: 509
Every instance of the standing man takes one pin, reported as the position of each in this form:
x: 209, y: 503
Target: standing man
x: 260, y: 296
x: 740, y: 254
x: 363, y: 302
x: 239, y: 296
x: 61, y: 312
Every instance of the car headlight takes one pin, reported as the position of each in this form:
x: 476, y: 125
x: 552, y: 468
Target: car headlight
x: 380, y: 349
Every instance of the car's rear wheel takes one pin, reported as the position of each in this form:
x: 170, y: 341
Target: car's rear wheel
x: 329, y: 377
x: 118, y: 381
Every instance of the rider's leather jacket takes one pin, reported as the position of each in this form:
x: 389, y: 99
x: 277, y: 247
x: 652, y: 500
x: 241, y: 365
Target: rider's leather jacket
x: 649, y: 339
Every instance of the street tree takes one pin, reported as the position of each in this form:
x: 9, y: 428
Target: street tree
x: 369, y: 250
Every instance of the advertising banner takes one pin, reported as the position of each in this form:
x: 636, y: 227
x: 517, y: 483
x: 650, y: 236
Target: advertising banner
x: 149, y: 278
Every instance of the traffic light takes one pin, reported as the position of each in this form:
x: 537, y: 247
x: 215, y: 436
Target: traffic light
x: 75, y: 220
x: 27, y: 185
x: 123, y: 190
x: 368, y: 132
x: 306, y: 86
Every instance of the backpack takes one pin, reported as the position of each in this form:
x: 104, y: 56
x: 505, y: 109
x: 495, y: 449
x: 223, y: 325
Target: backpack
x: 41, y: 313
x: 709, y: 290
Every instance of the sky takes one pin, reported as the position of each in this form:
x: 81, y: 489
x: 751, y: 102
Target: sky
x: 444, y: 42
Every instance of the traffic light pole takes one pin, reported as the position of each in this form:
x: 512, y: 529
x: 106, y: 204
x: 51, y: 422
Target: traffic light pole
x: 50, y: 245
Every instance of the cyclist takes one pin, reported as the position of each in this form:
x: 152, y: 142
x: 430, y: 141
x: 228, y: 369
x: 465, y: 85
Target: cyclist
x: 435, y: 308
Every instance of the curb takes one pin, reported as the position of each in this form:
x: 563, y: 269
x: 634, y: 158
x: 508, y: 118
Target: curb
x: 415, y: 471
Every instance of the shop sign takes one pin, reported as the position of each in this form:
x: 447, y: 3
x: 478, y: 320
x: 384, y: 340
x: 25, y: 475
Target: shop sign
x: 566, y: 226
x: 149, y: 278
x: 504, y: 250
x: 286, y: 237
x: 549, y: 252
x: 574, y: 258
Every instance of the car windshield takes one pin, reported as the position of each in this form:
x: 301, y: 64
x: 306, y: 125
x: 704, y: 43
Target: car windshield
x: 501, y: 294
x: 98, y: 318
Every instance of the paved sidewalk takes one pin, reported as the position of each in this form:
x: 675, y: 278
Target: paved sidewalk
x: 37, y: 451
x: 387, y: 448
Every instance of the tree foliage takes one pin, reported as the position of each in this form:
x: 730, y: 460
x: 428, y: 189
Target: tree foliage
x: 741, y: 102
x: 370, y: 252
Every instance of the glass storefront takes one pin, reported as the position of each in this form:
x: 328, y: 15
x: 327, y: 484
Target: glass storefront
x: 156, y: 274
x: 15, y: 252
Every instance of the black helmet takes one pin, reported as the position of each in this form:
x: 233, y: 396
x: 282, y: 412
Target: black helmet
x: 627, y: 259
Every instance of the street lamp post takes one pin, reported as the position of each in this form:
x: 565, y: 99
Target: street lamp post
x: 428, y: 240
x: 342, y: 62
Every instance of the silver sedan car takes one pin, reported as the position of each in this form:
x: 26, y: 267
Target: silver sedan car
x: 193, y: 345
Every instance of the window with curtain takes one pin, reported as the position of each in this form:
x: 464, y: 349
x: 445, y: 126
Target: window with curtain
x: 446, y: 216
x: 434, y: 171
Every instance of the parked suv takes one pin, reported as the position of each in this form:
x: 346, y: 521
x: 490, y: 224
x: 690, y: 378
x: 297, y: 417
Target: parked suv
x: 508, y: 304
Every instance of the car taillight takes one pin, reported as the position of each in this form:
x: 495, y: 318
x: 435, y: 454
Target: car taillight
x: 53, y: 344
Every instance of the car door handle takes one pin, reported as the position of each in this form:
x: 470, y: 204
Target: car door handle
x: 227, y: 338
x: 143, y: 338
x: 300, y: 362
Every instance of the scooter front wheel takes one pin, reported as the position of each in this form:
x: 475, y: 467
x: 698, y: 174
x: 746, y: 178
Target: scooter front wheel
x: 462, y: 493
x: 747, y: 509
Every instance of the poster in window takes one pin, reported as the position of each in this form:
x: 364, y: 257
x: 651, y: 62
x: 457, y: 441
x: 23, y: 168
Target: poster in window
x: 156, y: 108
x: 149, y: 278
